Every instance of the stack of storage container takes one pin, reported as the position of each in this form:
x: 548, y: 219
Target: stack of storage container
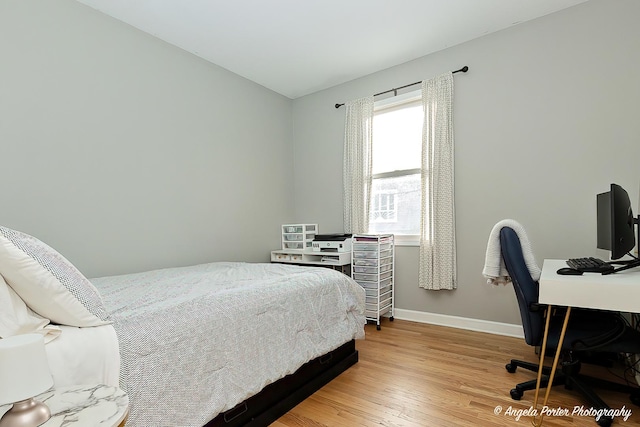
x: 373, y: 268
x: 298, y: 236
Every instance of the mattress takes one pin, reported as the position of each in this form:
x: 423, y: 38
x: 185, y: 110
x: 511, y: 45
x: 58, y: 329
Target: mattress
x: 196, y: 341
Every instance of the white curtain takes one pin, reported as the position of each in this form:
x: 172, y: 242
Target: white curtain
x: 437, y: 228
x: 358, y: 140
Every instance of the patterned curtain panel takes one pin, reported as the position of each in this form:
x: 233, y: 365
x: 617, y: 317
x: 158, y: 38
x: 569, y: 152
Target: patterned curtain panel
x: 437, y: 228
x: 358, y: 141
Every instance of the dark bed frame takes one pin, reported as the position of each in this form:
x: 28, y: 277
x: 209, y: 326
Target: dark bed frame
x: 278, y: 398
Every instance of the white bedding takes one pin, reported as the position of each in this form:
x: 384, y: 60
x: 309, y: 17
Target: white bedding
x: 196, y: 341
x: 84, y: 356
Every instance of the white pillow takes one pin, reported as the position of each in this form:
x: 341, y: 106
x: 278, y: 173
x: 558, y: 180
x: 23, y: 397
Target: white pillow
x: 49, y: 284
x: 17, y: 319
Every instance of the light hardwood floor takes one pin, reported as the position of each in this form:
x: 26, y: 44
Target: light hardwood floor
x: 413, y: 374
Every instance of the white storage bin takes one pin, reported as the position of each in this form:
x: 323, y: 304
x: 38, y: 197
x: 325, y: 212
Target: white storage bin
x: 303, y: 233
x: 385, y: 275
x: 371, y: 292
x: 365, y: 261
x: 371, y: 299
x: 371, y: 277
x: 281, y: 257
x: 300, y: 228
x: 371, y: 247
x: 366, y: 270
x: 372, y: 254
x: 374, y: 285
x: 364, y: 277
x: 369, y: 285
x: 385, y: 282
x: 372, y: 270
x: 385, y: 295
x: 365, y: 254
x: 292, y: 237
x: 386, y: 302
x: 385, y: 289
x: 293, y: 245
x: 373, y: 307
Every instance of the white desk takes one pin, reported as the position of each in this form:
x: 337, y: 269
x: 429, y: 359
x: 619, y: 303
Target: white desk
x: 617, y: 292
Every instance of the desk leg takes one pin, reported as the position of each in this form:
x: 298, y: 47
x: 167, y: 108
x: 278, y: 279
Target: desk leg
x: 552, y: 374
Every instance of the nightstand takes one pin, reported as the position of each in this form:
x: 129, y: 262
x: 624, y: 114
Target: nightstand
x: 84, y: 406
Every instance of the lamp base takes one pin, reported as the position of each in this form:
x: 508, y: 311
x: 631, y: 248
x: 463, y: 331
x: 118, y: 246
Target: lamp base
x: 26, y: 413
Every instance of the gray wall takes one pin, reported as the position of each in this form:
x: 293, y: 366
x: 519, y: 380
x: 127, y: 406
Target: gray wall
x: 546, y: 118
x: 125, y: 153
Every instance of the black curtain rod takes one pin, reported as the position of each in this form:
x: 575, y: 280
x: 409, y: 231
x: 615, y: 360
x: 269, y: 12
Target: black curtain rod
x: 395, y: 90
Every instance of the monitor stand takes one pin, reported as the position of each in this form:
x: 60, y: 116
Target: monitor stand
x: 633, y: 263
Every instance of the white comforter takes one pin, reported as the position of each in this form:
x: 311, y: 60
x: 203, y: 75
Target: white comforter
x: 196, y: 341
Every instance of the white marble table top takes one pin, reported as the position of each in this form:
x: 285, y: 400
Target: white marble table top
x: 84, y: 406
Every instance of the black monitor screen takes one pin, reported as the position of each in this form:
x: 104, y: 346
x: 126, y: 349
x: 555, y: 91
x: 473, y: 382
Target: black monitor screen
x: 615, y: 226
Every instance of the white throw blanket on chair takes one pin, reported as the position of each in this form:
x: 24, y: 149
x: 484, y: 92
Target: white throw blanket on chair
x: 494, y: 269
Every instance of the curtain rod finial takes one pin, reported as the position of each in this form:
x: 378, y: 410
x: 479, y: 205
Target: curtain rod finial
x: 339, y: 105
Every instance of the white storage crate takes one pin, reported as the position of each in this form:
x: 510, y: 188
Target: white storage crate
x: 280, y: 257
x: 298, y: 236
x: 376, y: 277
x: 372, y: 254
x: 373, y: 268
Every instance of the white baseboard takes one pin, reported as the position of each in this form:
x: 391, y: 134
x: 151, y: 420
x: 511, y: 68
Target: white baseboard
x: 490, y: 327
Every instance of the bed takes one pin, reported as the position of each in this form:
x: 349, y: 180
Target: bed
x: 214, y: 344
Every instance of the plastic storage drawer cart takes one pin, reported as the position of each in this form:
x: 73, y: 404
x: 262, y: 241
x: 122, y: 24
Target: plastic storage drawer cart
x: 298, y: 236
x: 373, y: 268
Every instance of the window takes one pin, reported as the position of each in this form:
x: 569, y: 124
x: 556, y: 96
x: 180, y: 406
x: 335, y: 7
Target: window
x: 383, y: 207
x: 397, y: 152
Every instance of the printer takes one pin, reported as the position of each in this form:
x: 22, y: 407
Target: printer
x: 331, y: 243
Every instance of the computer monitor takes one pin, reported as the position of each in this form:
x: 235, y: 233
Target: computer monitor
x: 616, y: 232
x: 616, y: 224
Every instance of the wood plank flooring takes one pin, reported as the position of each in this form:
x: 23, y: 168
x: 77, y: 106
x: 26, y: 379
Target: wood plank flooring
x: 413, y: 374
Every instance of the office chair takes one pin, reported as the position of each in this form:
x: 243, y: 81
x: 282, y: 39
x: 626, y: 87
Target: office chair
x: 590, y: 334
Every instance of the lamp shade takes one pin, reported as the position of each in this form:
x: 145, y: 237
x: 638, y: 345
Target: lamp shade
x: 24, y: 369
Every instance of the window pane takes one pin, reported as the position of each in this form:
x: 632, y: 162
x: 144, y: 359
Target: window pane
x: 395, y: 205
x: 383, y: 206
x: 397, y: 139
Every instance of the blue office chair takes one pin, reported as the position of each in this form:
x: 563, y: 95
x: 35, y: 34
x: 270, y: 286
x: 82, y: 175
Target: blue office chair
x: 591, y: 335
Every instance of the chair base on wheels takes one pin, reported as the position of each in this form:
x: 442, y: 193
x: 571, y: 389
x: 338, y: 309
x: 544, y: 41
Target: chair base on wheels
x: 518, y: 391
x: 570, y: 377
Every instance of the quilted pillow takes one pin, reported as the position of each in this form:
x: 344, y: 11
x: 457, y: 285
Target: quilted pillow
x: 49, y: 284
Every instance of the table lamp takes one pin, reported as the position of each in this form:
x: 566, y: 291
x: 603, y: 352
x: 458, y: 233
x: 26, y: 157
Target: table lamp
x: 24, y: 373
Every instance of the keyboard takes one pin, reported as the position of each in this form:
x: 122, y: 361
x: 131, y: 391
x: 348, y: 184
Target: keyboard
x: 589, y: 265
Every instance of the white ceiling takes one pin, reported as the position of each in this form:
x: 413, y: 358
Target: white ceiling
x: 297, y: 47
